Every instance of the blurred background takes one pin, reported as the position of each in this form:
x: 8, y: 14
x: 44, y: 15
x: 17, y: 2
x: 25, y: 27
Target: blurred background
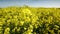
x: 32, y: 3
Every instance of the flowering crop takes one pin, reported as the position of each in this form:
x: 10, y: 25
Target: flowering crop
x: 28, y: 20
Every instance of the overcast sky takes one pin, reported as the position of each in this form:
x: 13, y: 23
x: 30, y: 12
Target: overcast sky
x: 33, y: 3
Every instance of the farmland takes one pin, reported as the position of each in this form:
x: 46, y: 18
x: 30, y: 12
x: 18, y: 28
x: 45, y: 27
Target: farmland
x: 29, y: 20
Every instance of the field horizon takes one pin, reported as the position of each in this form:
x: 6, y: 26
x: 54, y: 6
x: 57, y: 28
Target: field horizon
x: 28, y: 6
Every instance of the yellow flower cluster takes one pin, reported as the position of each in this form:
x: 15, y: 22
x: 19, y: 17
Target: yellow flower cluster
x: 28, y: 20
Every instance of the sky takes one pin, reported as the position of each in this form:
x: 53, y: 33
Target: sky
x: 32, y: 3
